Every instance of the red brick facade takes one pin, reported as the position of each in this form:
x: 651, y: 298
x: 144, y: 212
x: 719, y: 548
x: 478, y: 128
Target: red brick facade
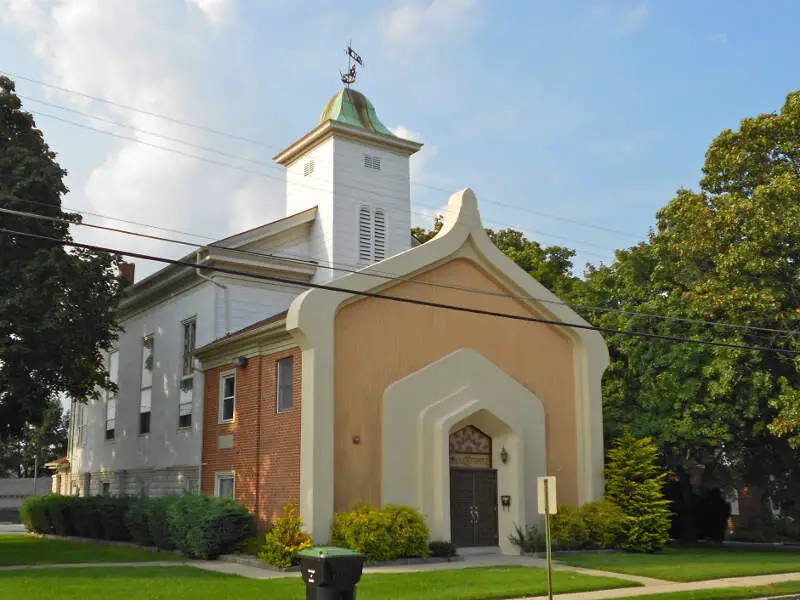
x: 265, y: 456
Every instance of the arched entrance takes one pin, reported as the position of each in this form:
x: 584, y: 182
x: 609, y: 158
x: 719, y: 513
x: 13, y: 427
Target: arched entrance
x: 473, y: 489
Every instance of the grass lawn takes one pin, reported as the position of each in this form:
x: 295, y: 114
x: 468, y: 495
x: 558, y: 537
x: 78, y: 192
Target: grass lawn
x: 184, y: 583
x: 28, y: 550
x: 743, y: 593
x: 690, y: 565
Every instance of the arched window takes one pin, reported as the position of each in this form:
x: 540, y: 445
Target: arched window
x: 379, y: 240
x: 364, y: 234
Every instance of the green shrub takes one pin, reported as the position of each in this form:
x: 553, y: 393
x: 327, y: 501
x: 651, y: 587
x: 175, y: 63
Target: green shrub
x: 86, y: 516
x: 137, y: 521
x: 529, y: 540
x: 409, y: 531
x: 381, y: 535
x: 568, y: 530
x: 254, y: 544
x: 285, y: 540
x: 111, y: 511
x: 442, y: 549
x: 34, y: 513
x: 635, y: 483
x: 60, y: 514
x: 604, y: 524
x: 204, y: 526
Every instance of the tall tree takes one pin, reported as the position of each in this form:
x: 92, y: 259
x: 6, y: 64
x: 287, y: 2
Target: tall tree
x: 551, y: 265
x: 56, y: 305
x: 729, y: 252
x: 36, y: 445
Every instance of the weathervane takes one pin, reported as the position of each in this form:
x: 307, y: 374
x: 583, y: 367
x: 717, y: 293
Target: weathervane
x: 352, y: 58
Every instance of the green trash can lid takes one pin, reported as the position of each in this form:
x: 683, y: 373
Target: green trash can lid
x: 327, y: 552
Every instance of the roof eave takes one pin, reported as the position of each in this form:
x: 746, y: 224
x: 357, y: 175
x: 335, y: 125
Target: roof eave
x: 328, y: 129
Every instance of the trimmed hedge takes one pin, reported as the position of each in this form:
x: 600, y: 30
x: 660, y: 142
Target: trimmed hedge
x: 381, y: 535
x: 198, y: 526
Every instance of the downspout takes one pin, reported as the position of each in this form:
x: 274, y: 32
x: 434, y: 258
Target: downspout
x: 226, y: 294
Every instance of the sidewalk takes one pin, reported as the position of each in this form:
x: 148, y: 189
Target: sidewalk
x: 667, y: 588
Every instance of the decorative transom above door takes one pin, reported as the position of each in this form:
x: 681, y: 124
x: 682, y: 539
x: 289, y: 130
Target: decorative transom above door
x: 470, y: 448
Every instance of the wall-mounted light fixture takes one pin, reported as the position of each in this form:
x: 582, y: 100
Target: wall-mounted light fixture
x: 504, y: 455
x: 239, y: 361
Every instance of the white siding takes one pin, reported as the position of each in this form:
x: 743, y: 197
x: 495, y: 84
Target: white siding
x: 316, y: 189
x: 165, y: 445
x: 387, y: 188
x: 251, y: 301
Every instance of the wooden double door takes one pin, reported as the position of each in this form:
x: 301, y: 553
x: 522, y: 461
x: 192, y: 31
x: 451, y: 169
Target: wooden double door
x: 473, y: 507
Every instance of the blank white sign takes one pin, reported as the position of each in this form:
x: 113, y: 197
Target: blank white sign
x: 550, y: 494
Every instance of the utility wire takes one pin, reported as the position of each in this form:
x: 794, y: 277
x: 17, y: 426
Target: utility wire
x: 454, y: 307
x: 313, y: 261
x: 265, y: 145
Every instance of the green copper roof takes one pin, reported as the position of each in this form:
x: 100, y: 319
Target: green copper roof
x: 353, y: 108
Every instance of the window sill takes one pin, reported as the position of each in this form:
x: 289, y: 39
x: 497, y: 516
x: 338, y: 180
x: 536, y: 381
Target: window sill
x: 283, y: 411
x: 187, y: 429
x: 143, y: 435
x: 228, y: 422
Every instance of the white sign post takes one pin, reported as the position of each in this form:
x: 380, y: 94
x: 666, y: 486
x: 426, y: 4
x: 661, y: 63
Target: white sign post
x: 546, y: 495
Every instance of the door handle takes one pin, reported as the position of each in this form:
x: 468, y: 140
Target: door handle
x: 477, y: 515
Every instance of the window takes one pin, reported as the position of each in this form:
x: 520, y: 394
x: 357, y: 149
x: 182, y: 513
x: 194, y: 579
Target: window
x: 227, y: 401
x: 80, y: 420
x: 186, y: 394
x: 372, y: 162
x: 111, y: 397
x: 308, y: 168
x: 371, y: 234
x: 145, y: 398
x: 190, y: 486
x: 106, y: 488
x: 225, y: 485
x: 285, y: 380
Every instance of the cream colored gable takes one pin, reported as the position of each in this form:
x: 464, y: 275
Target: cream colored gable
x: 311, y: 320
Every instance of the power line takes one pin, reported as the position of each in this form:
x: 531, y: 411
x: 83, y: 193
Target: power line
x: 459, y: 308
x: 265, y: 145
x: 343, y: 267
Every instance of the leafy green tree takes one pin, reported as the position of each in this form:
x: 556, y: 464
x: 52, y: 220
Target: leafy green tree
x: 56, y: 305
x: 37, y: 445
x: 551, y: 266
x: 728, y: 252
x: 634, y: 482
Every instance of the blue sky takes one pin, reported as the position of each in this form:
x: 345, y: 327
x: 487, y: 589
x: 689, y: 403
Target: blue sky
x: 567, y: 118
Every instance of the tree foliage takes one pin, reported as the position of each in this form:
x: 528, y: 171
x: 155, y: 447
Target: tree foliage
x: 56, y: 305
x: 634, y: 483
x: 726, y: 253
x: 36, y: 444
x: 551, y: 265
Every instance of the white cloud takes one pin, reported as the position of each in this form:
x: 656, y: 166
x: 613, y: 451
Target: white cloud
x: 133, y: 53
x: 422, y: 159
x: 415, y: 23
x: 718, y: 38
x: 216, y: 11
x: 634, y: 18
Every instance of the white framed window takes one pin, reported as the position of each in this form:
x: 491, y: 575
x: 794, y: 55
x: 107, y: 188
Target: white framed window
x: 145, y: 397
x: 227, y: 397
x: 111, y: 397
x: 225, y: 484
x: 186, y: 393
x: 285, y: 368
x: 80, y: 423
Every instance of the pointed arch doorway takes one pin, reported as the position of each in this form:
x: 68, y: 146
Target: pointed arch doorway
x: 473, y: 489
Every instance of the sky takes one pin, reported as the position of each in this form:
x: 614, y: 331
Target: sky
x: 572, y: 121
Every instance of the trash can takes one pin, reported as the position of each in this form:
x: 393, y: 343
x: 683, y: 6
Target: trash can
x: 330, y: 573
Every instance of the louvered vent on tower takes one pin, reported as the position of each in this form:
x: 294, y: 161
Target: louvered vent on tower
x: 308, y: 168
x: 364, y: 234
x: 380, y: 235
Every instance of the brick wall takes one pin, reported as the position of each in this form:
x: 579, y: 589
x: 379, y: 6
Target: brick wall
x: 265, y: 456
